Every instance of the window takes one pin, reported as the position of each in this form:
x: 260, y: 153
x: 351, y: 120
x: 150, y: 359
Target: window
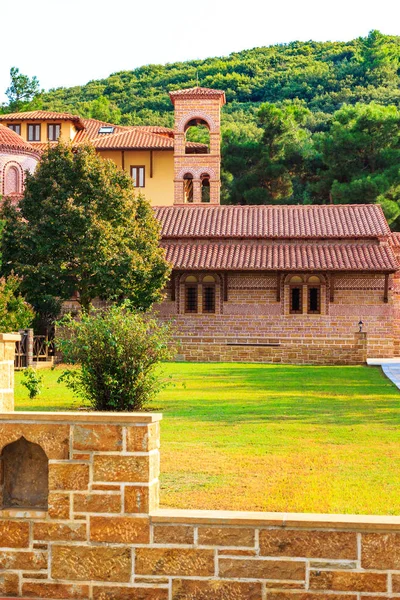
x: 191, y: 294
x: 53, y: 132
x: 12, y: 180
x: 296, y: 300
x: 106, y: 129
x: 205, y: 187
x: 188, y: 187
x: 314, y: 295
x: 208, y: 294
x: 15, y: 127
x: 137, y: 174
x: 33, y: 133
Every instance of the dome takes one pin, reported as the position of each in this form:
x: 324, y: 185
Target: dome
x: 11, y: 140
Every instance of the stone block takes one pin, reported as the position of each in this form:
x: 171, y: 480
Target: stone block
x: 262, y: 569
x: 120, y: 530
x: 53, y: 439
x: 278, y: 595
x: 348, y: 581
x: 308, y: 544
x: 380, y: 551
x: 68, y: 476
x: 97, y: 437
x: 173, y: 534
x: 143, y: 438
x: 9, y: 584
x: 59, y: 506
x: 97, y: 503
x: 141, y: 499
x: 55, y: 591
x: 28, y: 561
x: 80, y: 563
x: 129, y: 469
x: 129, y: 593
x: 226, y: 536
x: 14, y: 534
x: 216, y: 590
x: 174, y: 562
x: 396, y: 583
x: 59, y: 532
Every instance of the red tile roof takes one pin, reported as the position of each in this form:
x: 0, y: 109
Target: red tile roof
x: 132, y: 139
x: 42, y: 115
x: 280, y: 256
x: 10, y: 139
x: 333, y: 221
x: 197, y: 92
x: 395, y: 239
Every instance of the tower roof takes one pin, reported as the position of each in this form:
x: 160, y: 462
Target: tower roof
x: 198, y: 92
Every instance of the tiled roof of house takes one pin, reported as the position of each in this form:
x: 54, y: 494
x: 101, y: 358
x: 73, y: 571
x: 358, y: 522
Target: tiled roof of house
x: 11, y: 140
x: 42, y: 115
x: 197, y: 92
x: 333, y: 221
x: 395, y: 239
x: 132, y: 139
x: 303, y: 256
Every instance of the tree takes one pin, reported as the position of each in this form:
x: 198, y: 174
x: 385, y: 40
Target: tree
x: 81, y: 229
x: 22, y: 89
x: 15, y: 312
x: 117, y: 351
x: 360, y: 155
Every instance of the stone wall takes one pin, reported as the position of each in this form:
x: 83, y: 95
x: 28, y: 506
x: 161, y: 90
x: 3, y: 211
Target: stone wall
x: 7, y: 356
x: 103, y: 537
x: 253, y: 324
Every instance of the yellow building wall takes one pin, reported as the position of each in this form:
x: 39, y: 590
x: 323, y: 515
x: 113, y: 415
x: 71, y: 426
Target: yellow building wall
x: 68, y: 130
x: 159, y: 189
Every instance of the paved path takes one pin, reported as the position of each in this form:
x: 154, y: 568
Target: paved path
x: 390, y: 366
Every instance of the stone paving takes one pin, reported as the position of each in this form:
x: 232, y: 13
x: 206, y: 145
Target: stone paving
x: 390, y: 367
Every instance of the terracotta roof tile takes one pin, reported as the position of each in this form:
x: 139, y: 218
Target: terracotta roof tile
x: 197, y: 92
x: 280, y: 256
x: 337, y: 221
x: 39, y: 115
x: 10, y: 139
x: 395, y: 239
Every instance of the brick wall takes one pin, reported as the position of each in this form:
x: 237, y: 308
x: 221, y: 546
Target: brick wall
x: 253, y: 317
x: 103, y: 536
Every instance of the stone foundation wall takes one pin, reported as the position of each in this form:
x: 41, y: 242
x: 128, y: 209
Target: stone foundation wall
x: 103, y: 537
x: 7, y: 356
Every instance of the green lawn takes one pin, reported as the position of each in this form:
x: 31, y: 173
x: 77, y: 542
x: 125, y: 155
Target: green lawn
x: 271, y: 437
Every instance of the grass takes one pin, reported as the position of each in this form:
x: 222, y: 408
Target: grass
x: 271, y: 437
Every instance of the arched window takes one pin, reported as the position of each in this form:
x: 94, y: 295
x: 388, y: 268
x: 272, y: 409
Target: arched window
x: 313, y: 295
x: 191, y: 290
x: 197, y: 130
x: 208, y: 294
x: 188, y: 187
x: 25, y: 479
x: 12, y: 181
x: 205, y: 187
x: 296, y: 295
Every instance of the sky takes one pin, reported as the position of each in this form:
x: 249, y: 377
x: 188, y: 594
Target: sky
x: 67, y: 43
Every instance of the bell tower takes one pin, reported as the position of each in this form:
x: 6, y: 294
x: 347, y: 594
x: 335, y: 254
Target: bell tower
x: 196, y: 170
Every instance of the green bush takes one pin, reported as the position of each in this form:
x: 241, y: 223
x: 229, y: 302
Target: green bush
x: 32, y: 381
x: 117, y: 350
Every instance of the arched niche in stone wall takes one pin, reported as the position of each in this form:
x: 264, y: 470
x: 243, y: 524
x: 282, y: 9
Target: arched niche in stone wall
x: 25, y: 476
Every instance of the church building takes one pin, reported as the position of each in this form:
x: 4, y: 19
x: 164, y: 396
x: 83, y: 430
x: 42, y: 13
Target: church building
x: 281, y: 284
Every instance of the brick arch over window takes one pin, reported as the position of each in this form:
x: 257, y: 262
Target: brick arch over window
x: 196, y: 172
x: 13, y: 177
x: 181, y: 127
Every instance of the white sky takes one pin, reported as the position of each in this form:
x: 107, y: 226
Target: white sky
x: 70, y: 42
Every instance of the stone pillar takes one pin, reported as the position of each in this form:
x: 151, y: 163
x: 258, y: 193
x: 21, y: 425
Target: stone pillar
x: 7, y: 356
x: 29, y: 347
x: 360, y: 343
x: 196, y: 191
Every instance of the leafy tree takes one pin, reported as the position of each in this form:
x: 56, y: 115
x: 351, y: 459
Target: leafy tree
x: 80, y: 228
x: 15, y: 312
x: 360, y: 156
x: 22, y: 89
x: 117, y: 351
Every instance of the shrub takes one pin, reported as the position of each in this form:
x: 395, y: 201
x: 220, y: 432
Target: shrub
x: 33, y: 382
x: 117, y: 350
x: 15, y: 312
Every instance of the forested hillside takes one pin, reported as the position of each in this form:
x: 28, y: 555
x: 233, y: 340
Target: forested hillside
x: 305, y: 122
